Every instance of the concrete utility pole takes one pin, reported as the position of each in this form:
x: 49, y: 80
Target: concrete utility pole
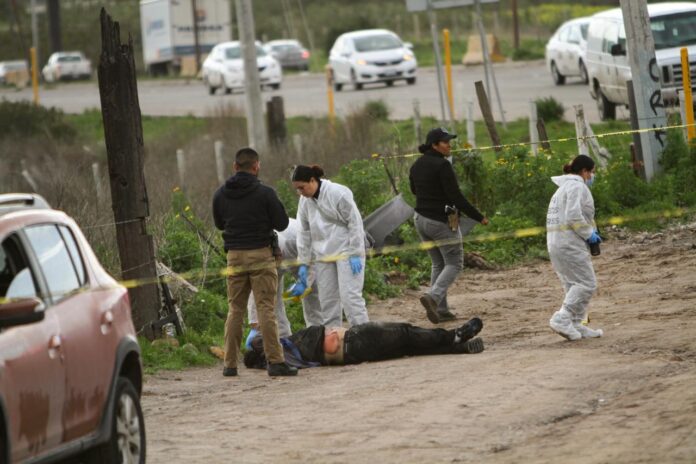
x: 256, y: 124
x: 650, y: 109
x: 438, y: 60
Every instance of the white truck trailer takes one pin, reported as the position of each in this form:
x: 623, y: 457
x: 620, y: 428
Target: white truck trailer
x: 168, y: 31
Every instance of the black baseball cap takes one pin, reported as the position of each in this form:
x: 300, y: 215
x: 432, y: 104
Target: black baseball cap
x: 439, y: 134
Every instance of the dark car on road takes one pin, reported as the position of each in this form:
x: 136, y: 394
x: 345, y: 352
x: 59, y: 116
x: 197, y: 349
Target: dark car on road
x: 70, y: 367
x: 289, y: 53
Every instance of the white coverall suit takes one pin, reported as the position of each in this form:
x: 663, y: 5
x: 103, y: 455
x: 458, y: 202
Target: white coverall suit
x: 331, y: 225
x: 287, y: 240
x: 569, y: 223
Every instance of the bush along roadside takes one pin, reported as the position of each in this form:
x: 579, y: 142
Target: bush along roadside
x: 513, y: 190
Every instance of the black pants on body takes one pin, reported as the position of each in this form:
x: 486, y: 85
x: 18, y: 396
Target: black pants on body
x: 376, y: 341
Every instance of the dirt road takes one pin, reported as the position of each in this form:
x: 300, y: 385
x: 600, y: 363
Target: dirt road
x: 530, y: 397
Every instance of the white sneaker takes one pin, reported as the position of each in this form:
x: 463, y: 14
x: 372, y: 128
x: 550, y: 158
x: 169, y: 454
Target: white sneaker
x: 587, y: 332
x: 563, y: 326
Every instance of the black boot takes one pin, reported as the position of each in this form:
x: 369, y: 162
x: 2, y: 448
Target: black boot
x: 281, y: 369
x: 472, y: 346
x: 468, y: 330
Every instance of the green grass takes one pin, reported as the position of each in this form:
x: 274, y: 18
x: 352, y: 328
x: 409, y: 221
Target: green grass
x: 90, y: 128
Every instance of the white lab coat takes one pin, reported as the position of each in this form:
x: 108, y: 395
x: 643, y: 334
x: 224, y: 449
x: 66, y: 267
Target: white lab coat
x: 569, y: 223
x: 331, y: 225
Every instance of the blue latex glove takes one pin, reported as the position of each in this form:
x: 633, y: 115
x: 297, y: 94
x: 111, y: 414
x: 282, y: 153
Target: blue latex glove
x: 250, y: 337
x: 302, y: 273
x: 355, y: 264
x: 298, y: 289
x: 594, y: 238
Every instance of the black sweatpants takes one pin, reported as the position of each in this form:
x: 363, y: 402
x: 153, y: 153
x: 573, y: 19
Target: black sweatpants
x: 375, y: 341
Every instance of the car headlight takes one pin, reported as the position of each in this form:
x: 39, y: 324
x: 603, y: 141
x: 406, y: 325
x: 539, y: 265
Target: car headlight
x: 408, y: 57
x: 361, y: 62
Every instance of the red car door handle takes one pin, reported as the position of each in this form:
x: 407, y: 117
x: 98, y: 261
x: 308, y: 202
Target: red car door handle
x: 106, y: 322
x: 54, y: 347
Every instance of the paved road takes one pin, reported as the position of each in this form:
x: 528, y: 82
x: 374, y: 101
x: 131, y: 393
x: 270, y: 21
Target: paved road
x: 305, y: 94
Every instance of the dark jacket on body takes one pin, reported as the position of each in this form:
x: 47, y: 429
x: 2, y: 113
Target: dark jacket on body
x: 434, y: 184
x: 247, y: 212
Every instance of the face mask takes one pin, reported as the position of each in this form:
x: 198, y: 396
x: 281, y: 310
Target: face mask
x: 590, y: 181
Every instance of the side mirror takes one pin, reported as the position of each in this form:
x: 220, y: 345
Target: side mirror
x: 21, y: 312
x: 408, y: 45
x: 617, y: 50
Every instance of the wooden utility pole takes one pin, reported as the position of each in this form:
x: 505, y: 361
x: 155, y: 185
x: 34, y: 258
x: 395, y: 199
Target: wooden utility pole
x: 196, y: 44
x: 256, y: 124
x: 54, y: 31
x: 645, y: 73
x: 123, y: 134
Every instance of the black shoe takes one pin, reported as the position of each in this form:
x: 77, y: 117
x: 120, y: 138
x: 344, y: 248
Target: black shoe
x: 472, y: 346
x: 281, y: 369
x: 430, y: 306
x: 229, y: 372
x: 469, y: 330
x: 446, y: 315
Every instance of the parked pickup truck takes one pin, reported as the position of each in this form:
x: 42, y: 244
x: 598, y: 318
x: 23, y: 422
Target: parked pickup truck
x: 672, y: 25
x: 67, y: 65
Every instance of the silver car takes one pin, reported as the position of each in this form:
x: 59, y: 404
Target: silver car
x: 565, y: 51
x: 370, y: 56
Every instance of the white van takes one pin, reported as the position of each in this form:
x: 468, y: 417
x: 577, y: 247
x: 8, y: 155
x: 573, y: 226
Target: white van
x: 673, y: 26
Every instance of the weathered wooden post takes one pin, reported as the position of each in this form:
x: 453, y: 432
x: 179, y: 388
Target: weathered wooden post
x: 275, y: 114
x: 487, y: 114
x: 222, y: 173
x: 541, y: 128
x: 181, y: 167
x: 533, y: 134
x: 470, y: 125
x: 123, y: 134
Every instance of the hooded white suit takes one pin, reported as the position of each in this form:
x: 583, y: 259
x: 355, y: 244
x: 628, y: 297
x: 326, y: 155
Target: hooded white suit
x: 569, y: 223
x: 331, y: 225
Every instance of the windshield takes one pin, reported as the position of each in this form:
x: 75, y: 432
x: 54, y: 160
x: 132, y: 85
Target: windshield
x: 235, y: 53
x: 674, y: 30
x: 376, y: 42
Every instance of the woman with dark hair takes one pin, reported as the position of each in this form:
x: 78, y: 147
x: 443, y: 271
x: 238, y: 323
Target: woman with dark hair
x: 570, y: 229
x: 439, y: 201
x: 330, y: 227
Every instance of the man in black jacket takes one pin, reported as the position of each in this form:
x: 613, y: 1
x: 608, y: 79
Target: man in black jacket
x: 248, y: 212
x: 435, y: 186
x: 371, y: 341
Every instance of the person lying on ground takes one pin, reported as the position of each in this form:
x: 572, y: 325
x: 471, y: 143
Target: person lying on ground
x: 371, y: 341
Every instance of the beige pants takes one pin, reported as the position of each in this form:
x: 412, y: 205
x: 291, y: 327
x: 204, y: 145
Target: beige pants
x: 259, y: 275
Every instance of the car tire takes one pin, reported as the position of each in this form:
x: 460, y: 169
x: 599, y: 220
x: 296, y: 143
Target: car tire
x: 411, y: 80
x: 228, y: 90
x: 607, y: 109
x: 584, y: 77
x: 390, y: 83
x: 558, y: 78
x: 338, y: 87
x: 127, y: 440
x: 211, y: 89
x: 354, y: 80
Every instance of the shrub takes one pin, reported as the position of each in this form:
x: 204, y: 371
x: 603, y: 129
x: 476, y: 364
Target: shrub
x: 377, y: 109
x: 549, y: 109
x: 23, y: 119
x: 529, y: 50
